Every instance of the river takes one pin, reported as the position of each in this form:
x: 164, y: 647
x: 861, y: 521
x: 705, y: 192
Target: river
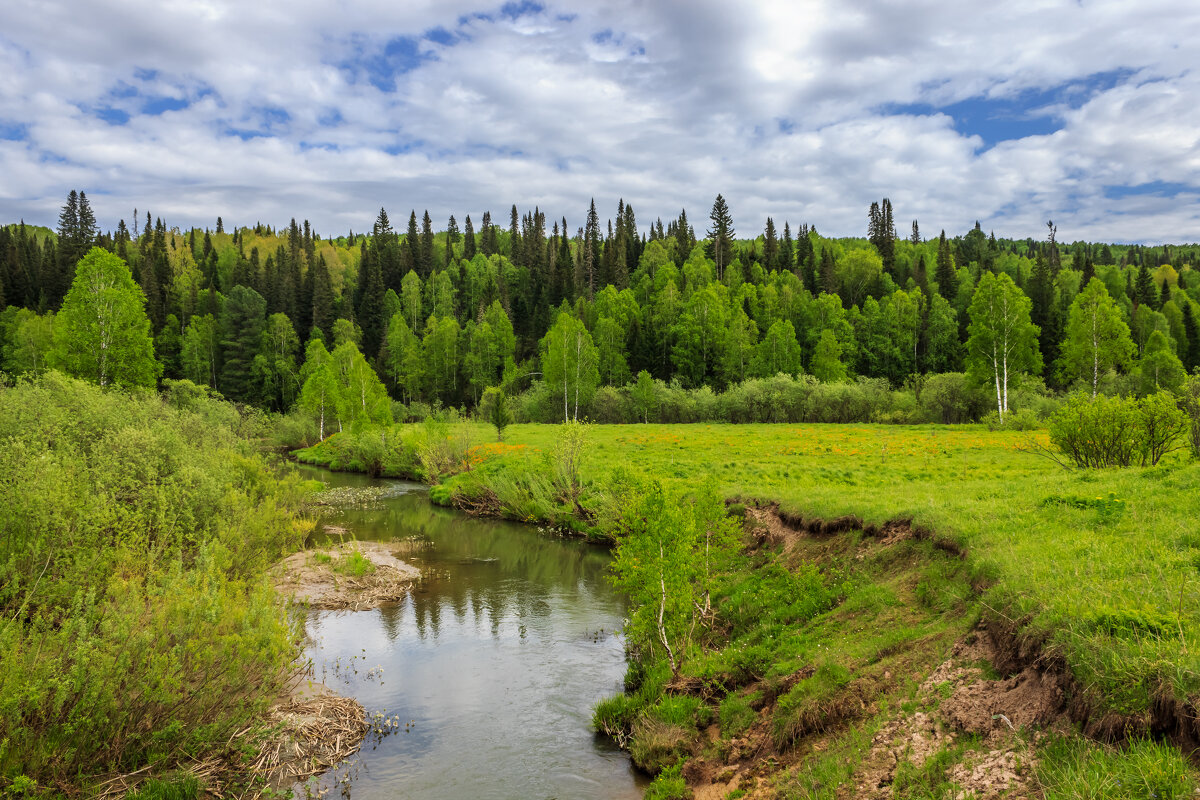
x: 492, y: 663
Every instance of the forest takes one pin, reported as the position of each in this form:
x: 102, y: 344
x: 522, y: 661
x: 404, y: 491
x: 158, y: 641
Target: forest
x: 611, y: 322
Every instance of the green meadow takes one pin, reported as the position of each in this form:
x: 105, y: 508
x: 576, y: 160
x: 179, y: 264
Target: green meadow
x: 1094, y: 572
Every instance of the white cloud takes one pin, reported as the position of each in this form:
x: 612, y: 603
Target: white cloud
x: 784, y: 107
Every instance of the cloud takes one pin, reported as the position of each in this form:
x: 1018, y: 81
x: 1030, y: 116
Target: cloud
x: 957, y: 111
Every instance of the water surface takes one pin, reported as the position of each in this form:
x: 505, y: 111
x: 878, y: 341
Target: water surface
x: 492, y: 664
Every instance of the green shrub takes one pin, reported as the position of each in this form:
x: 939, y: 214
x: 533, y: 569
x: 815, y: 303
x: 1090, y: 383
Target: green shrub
x: 1116, y: 431
x: 135, y: 624
x: 182, y: 788
x: 669, y: 785
x: 736, y: 715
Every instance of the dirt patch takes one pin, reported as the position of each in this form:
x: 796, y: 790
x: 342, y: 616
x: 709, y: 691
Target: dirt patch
x: 1031, y: 698
x: 956, y: 699
x: 351, y: 576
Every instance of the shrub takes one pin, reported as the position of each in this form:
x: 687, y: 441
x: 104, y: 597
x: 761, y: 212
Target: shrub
x: 669, y: 785
x: 1116, y: 431
x: 135, y: 624
x: 949, y: 399
x: 1191, y: 405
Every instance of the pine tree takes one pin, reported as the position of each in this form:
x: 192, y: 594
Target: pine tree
x: 915, y: 238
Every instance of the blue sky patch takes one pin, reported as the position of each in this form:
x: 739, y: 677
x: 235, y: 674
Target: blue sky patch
x: 1155, y: 188
x: 1032, y: 112
x: 522, y: 9
x: 157, y: 105
x: 380, y: 66
x: 113, y: 116
x: 13, y: 131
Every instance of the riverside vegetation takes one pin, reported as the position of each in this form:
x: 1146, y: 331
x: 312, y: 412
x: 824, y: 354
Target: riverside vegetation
x: 138, y: 631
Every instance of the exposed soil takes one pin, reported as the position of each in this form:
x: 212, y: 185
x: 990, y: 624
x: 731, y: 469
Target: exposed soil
x: 318, y: 577
x: 955, y: 700
x: 957, y: 708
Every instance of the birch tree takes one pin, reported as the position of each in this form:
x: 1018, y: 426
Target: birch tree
x: 570, y: 363
x: 102, y: 333
x: 1097, y: 337
x: 1002, y: 342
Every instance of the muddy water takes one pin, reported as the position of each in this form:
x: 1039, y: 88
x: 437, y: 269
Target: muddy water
x: 492, y: 665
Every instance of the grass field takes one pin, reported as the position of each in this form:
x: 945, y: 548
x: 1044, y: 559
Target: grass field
x: 1105, y: 565
x: 1097, y: 568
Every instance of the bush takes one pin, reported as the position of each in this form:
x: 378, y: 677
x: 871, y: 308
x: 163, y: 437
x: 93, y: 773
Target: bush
x: 1116, y: 431
x: 135, y: 624
x: 949, y: 399
x: 1191, y: 405
x: 669, y: 785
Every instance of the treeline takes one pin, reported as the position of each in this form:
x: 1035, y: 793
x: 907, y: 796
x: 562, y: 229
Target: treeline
x: 440, y: 316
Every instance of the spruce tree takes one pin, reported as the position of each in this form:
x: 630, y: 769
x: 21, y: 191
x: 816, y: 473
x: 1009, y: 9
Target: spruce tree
x: 1144, y: 291
x: 412, y: 246
x: 770, y: 245
x: 721, y: 235
x: 944, y: 273
x: 322, y: 299
x: 426, y: 246
x: 515, y: 252
x: 591, y: 249
x: 786, y: 250
x: 1191, y: 331
x: 241, y: 326
x: 469, y: 240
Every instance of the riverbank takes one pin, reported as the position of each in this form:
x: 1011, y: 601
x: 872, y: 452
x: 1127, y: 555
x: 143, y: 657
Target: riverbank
x: 1084, y: 572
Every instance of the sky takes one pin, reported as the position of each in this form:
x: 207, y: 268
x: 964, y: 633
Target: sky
x: 1012, y: 114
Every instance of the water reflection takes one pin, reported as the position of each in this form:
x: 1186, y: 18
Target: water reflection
x: 493, y: 664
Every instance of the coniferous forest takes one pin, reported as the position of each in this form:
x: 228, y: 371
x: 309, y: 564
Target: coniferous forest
x: 610, y: 320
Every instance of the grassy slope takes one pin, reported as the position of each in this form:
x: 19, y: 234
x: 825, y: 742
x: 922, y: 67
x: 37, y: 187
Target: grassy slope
x: 1110, y: 584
